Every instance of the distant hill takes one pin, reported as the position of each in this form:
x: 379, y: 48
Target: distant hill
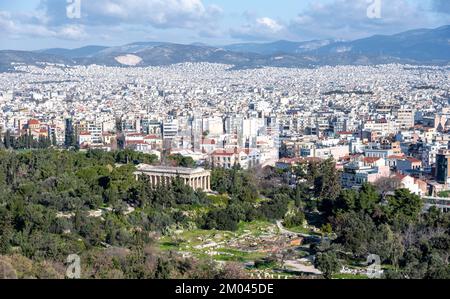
x: 74, y: 53
x: 8, y: 57
x: 166, y: 54
x: 279, y: 47
x: 423, y: 46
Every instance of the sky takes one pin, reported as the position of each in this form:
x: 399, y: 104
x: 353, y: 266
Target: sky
x: 40, y: 24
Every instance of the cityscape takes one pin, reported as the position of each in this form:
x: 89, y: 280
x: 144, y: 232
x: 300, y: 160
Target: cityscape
x: 321, y: 159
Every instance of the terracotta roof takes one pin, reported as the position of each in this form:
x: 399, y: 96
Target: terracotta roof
x: 33, y: 122
x: 371, y: 159
x: 208, y: 141
x: 222, y: 152
x: 400, y: 176
x: 151, y: 137
x: 413, y: 160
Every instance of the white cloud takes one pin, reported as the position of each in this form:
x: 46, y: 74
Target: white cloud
x: 269, y: 24
x: 344, y: 19
x: 155, y: 13
x: 25, y: 25
x: 50, y: 18
x: 347, y: 19
x: 73, y: 32
x: 258, y: 29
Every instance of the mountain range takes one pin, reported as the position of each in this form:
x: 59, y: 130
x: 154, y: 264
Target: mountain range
x: 422, y: 46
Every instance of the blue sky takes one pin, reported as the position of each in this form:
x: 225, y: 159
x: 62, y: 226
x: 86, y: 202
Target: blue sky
x: 37, y: 24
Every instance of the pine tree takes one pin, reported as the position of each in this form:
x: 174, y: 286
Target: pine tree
x: 7, y: 139
x: 6, y: 231
x: 54, y: 143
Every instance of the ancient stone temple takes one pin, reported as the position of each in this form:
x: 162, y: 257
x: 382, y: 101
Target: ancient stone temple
x: 197, y: 178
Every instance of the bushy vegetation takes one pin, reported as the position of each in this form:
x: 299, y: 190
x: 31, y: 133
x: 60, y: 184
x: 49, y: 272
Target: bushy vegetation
x: 394, y: 226
x: 48, y: 199
x: 245, y: 203
x: 181, y: 161
x: 46, y: 213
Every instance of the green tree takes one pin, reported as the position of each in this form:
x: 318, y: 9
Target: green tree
x: 327, y: 263
x: 404, y: 206
x: 355, y: 232
x: 6, y: 230
x: 7, y: 139
x: 368, y: 199
x: 294, y: 220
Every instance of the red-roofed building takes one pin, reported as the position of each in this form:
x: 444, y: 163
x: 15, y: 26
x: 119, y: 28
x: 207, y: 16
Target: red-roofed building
x: 374, y: 161
x: 355, y: 174
x: 208, y: 145
x: 228, y: 158
x: 392, y: 160
x: 84, y: 139
x: 408, y: 164
x: 34, y: 124
x: 154, y: 141
x: 108, y: 138
x: 415, y: 186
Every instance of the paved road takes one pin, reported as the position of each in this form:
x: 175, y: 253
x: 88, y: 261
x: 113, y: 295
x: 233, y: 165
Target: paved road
x: 301, y: 266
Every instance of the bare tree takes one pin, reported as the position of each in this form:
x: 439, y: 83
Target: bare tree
x: 386, y: 185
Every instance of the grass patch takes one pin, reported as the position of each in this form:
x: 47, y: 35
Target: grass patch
x: 237, y: 255
x: 255, y: 227
x: 220, y: 201
x: 167, y: 246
